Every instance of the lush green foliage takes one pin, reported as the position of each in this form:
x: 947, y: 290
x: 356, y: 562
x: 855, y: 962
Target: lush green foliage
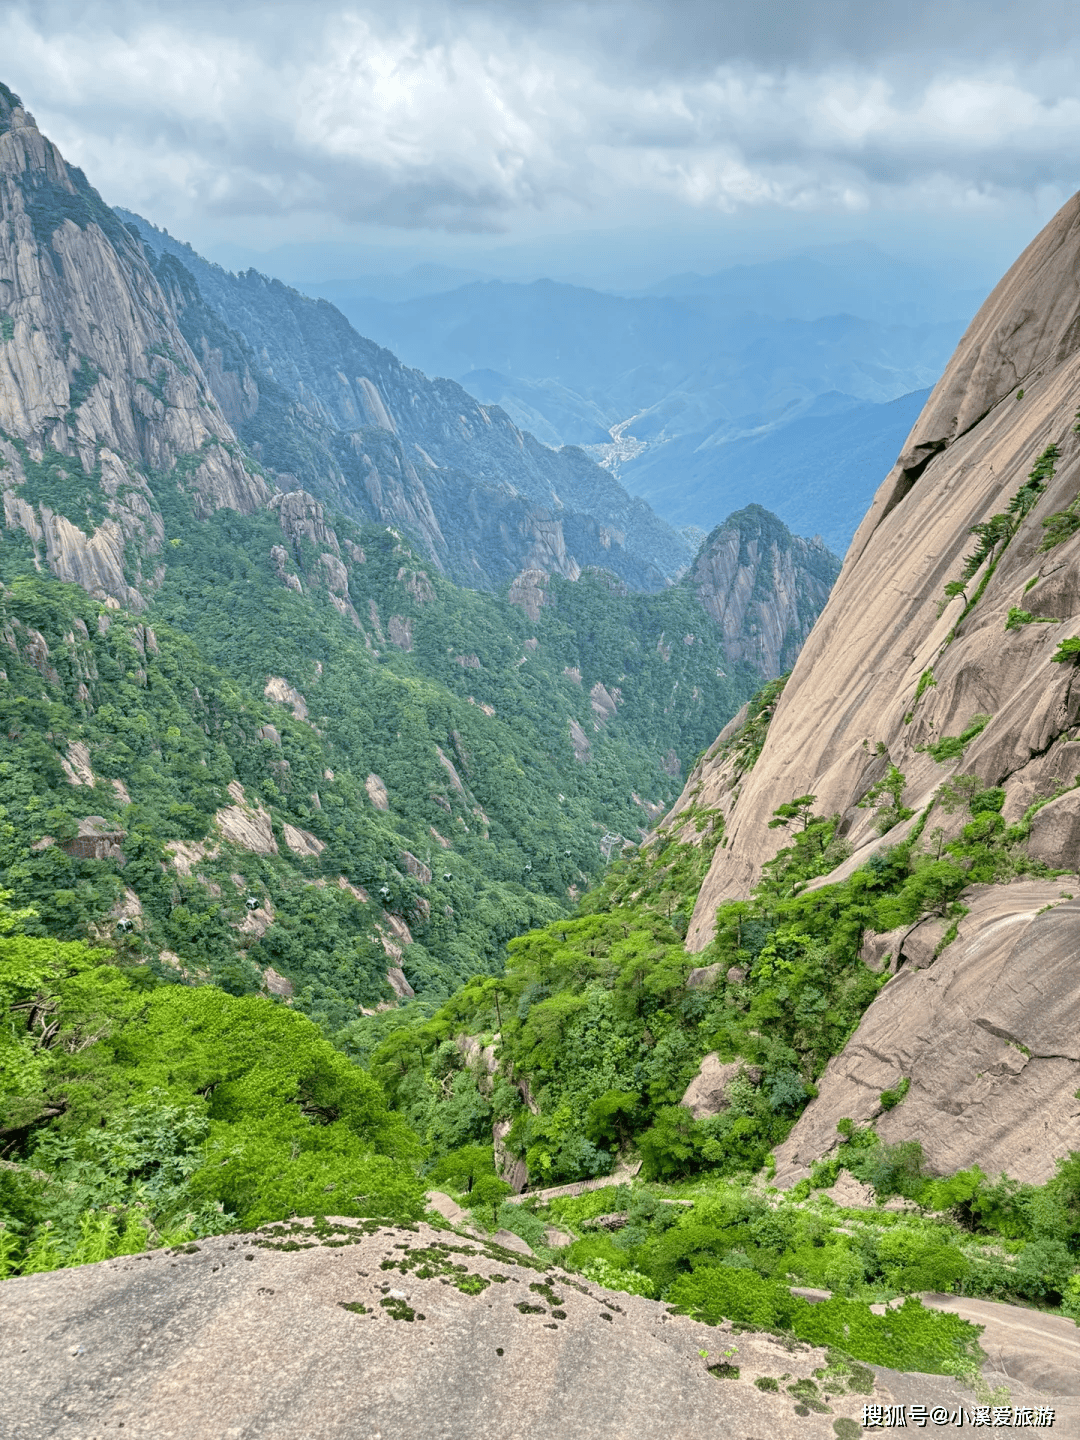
x: 492, y: 819
x: 994, y: 535
x: 137, y: 1113
x: 748, y: 742
x: 951, y: 747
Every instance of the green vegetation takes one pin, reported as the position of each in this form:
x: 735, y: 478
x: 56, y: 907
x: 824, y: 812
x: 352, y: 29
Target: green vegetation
x: 951, y: 747
x: 1018, y: 617
x: 994, y: 535
x: 492, y: 820
x: 747, y: 744
x: 60, y: 481
x: 1063, y: 523
x: 926, y: 679
x: 891, y: 1098
x: 122, y: 1094
x: 597, y: 1013
x: 144, y: 1114
x: 886, y: 799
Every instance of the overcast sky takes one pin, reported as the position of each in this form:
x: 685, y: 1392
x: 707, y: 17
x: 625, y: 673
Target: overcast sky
x: 454, y: 128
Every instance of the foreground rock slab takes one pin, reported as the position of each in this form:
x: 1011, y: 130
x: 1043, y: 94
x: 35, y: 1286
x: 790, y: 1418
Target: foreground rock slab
x: 1025, y: 1347
x: 384, y: 1333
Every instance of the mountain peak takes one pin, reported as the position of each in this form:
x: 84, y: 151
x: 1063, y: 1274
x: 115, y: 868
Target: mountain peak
x: 12, y: 113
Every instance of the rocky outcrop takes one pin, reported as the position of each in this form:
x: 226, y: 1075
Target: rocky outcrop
x: 343, y: 417
x: 97, y: 839
x: 706, y: 1095
x: 377, y: 792
x: 247, y: 825
x: 763, y: 586
x: 982, y: 1026
x: 528, y: 590
x: 278, y: 689
x: 887, y: 625
x: 988, y: 1037
x: 98, y: 387
x: 301, y: 517
x: 282, y: 1335
x: 508, y: 1167
x: 302, y: 842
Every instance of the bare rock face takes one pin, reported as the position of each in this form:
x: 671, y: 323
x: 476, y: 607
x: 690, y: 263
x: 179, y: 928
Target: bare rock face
x: 855, y: 681
x: 763, y: 586
x: 281, y: 1334
x: 988, y: 1036
x: 247, y: 825
x: 301, y: 517
x: 508, y: 1167
x: 302, y: 842
x: 277, y: 984
x: 377, y: 792
x: 528, y: 589
x: 1055, y: 832
x: 98, y: 839
x: 706, y: 1095
x: 983, y: 1028
x: 281, y: 692
x: 704, y: 977
x: 395, y: 978
x: 97, y: 385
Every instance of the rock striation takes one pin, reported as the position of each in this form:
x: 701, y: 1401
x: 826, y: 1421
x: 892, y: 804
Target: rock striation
x: 98, y: 388
x: 320, y: 405
x: 897, y: 664
x: 763, y: 586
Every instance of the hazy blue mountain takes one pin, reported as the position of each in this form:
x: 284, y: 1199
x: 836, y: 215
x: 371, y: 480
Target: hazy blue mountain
x: 817, y: 472
x: 781, y: 383
x: 852, y: 279
x: 425, y: 279
x: 684, y: 361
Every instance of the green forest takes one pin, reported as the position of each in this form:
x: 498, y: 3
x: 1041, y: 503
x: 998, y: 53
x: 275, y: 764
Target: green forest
x: 248, y: 782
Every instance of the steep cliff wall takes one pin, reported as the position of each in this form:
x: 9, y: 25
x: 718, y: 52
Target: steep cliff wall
x: 381, y: 441
x: 763, y: 586
x: 959, y: 682
x: 97, y: 386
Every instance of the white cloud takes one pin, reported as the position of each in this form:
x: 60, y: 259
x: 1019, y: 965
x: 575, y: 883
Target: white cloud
x: 473, y: 118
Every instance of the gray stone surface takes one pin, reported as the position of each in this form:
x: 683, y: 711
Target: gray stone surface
x: 703, y: 977
x: 882, y: 951
x: 919, y: 945
x: 707, y: 1093
x: 1040, y: 1352
x: 1055, y: 831
x: 989, y: 1036
x: 229, y: 1339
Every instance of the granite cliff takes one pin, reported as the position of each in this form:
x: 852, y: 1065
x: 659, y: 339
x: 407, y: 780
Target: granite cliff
x: 98, y: 388
x: 322, y: 406
x: 763, y: 586
x: 944, y: 664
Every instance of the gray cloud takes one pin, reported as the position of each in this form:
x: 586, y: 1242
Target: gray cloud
x: 482, y: 116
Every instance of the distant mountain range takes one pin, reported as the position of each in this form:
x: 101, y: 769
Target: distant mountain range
x: 321, y: 406
x: 659, y: 387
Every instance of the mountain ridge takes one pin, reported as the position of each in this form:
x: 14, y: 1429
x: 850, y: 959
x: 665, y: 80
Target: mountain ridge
x: 483, y: 498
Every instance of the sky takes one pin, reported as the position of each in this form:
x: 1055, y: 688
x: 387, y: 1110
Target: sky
x: 608, y: 143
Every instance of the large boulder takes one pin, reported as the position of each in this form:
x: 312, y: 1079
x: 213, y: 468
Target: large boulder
x: 1055, y: 832
x: 706, y: 1095
x: 988, y: 1036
